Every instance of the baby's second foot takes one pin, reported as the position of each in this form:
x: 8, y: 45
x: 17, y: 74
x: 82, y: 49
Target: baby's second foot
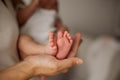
x: 51, y: 47
x: 64, y: 43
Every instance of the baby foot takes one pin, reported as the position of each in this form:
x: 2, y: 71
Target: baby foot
x: 51, y: 47
x: 64, y: 43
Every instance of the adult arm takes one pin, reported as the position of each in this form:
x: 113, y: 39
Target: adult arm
x: 20, y: 71
x: 25, y: 13
x: 38, y: 65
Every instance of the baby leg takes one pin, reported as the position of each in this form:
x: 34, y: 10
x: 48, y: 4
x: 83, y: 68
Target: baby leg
x: 51, y: 47
x: 64, y: 43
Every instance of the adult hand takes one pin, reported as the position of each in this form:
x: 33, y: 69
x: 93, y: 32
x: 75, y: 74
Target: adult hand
x: 49, y: 66
x: 77, y: 40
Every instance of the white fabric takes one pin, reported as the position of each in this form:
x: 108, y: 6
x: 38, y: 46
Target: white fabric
x: 8, y: 36
x: 40, y: 24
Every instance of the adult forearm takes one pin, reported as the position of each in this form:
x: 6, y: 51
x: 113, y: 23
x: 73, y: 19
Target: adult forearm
x: 21, y: 71
x: 24, y: 14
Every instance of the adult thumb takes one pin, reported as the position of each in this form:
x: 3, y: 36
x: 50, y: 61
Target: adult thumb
x: 68, y: 63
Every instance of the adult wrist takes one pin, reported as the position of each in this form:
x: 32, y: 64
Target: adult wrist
x: 29, y: 68
x: 20, y: 71
x: 25, y: 69
x: 33, y: 68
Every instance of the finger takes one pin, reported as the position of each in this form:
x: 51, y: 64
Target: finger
x: 76, y: 43
x: 43, y: 78
x: 67, y: 63
x: 65, y: 71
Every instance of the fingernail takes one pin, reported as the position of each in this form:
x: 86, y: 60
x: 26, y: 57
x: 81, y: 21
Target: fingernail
x: 79, y: 61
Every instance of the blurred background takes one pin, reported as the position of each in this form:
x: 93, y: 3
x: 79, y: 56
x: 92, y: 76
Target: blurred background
x: 91, y: 16
x: 99, y: 23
